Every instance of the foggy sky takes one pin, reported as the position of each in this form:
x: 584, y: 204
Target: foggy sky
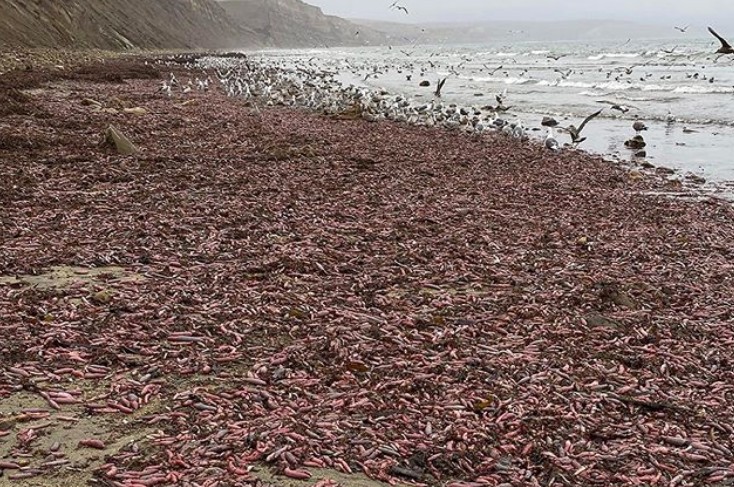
x: 680, y: 12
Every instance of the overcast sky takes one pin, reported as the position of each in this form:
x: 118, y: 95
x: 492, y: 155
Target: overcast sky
x: 715, y: 12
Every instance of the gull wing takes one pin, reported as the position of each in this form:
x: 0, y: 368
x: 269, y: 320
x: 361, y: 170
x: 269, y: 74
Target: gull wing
x: 723, y: 41
x: 588, y: 119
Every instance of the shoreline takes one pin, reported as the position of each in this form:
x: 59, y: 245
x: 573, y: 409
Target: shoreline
x: 692, y: 142
x: 295, y: 290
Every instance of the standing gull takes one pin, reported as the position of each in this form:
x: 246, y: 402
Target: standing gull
x: 551, y: 142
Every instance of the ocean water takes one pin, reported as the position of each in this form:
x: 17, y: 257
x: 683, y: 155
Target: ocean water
x: 681, y: 90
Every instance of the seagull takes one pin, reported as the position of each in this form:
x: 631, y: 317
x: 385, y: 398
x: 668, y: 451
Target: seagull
x: 616, y: 106
x: 564, y: 75
x: 500, y: 97
x: 395, y: 6
x: 556, y: 57
x: 492, y: 70
x: 518, y: 131
x: 551, y: 142
x: 441, y: 82
x: 725, y: 46
x: 575, y: 133
x: 682, y: 29
x: 165, y: 88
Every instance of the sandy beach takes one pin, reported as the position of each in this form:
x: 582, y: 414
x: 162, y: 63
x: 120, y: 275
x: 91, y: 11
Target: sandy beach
x: 259, y: 296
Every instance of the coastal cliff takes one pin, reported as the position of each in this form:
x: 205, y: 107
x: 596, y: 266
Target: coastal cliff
x: 114, y: 25
x: 293, y: 23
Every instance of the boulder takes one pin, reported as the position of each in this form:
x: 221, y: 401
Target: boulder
x: 695, y: 179
x: 425, y: 83
x: 665, y: 170
x: 121, y: 143
x: 597, y: 320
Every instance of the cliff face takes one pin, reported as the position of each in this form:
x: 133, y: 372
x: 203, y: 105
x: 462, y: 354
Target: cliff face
x: 293, y: 23
x: 115, y: 24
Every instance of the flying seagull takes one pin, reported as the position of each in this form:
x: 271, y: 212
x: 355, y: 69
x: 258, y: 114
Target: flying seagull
x: 575, y: 133
x: 725, y: 46
x: 682, y: 29
x: 669, y: 51
x: 439, y: 87
x: 398, y: 7
x: 617, y: 106
x: 492, y: 70
x: 564, y: 75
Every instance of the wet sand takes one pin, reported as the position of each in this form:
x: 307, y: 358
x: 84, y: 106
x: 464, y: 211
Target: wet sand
x: 320, y: 292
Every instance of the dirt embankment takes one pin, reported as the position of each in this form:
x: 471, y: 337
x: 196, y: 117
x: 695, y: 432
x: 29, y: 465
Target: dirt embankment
x: 112, y: 24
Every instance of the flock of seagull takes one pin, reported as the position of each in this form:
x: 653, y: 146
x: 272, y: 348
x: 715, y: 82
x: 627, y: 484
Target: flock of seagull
x: 274, y: 82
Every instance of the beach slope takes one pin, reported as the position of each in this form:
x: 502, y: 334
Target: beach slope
x: 274, y: 286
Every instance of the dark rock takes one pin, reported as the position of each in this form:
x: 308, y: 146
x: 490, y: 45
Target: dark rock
x: 636, y: 142
x: 409, y: 473
x: 693, y: 178
x: 425, y: 83
x: 664, y: 170
x: 609, y: 292
x: 549, y: 122
x: 598, y: 320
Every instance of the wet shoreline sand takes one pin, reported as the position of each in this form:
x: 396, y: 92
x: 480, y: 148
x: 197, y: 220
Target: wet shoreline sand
x: 405, y: 302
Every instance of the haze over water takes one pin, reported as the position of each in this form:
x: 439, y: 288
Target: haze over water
x: 677, y: 87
